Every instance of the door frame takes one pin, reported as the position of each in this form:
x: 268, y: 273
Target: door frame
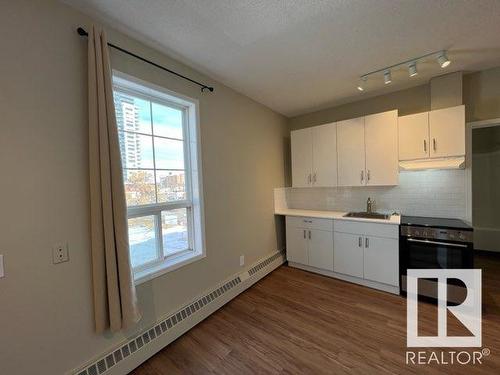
x: 469, y: 126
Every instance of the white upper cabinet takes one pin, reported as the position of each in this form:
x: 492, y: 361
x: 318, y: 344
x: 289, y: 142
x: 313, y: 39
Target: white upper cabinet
x: 357, y: 152
x: 435, y: 134
x: 314, y: 156
x: 447, y: 131
x: 381, y: 142
x: 414, y: 136
x: 368, y: 150
x: 351, y: 152
x: 324, y: 155
x: 302, y: 153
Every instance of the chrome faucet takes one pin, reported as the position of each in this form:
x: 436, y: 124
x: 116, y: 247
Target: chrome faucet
x: 369, y: 205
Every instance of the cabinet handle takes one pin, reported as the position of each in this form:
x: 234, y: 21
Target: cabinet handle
x: 434, y: 143
x: 368, y: 175
x: 425, y: 145
x: 304, y: 233
x: 309, y: 179
x: 314, y: 177
x: 362, y: 176
x: 360, y: 241
x: 309, y: 234
x: 367, y: 243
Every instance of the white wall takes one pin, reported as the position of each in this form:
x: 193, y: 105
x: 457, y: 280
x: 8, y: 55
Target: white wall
x: 46, y: 324
x: 486, y: 188
x: 439, y: 193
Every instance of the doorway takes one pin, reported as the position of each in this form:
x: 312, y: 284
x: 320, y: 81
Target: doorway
x: 486, y: 187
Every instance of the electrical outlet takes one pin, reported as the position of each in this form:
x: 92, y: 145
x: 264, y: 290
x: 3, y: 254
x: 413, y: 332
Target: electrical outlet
x: 60, y: 253
x: 242, y: 260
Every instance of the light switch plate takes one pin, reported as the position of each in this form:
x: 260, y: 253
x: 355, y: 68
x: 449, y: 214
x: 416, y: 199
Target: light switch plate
x: 242, y: 260
x: 60, y: 253
x: 2, y: 272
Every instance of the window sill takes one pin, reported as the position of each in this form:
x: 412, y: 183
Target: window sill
x: 167, y: 265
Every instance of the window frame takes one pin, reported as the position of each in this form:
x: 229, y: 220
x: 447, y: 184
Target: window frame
x: 193, y: 202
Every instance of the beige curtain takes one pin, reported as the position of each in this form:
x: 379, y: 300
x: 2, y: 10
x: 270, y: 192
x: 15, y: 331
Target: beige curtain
x: 115, y: 301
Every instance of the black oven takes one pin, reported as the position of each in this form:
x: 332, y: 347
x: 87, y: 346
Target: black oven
x: 431, y: 243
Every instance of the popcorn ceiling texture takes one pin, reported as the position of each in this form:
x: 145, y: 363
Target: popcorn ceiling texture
x: 439, y: 193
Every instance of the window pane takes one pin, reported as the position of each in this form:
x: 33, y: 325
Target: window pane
x: 171, y: 186
x: 169, y: 154
x: 175, y: 230
x: 132, y: 114
x: 167, y: 121
x: 136, y: 150
x: 139, y: 187
x: 142, y: 240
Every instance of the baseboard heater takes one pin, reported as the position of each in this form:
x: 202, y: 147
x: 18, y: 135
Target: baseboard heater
x: 146, y: 337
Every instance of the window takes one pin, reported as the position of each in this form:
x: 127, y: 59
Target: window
x: 158, y: 138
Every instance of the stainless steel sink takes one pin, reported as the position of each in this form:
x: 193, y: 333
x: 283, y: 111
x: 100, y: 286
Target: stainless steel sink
x: 368, y: 215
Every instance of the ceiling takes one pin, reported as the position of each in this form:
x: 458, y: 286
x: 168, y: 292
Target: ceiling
x: 297, y: 56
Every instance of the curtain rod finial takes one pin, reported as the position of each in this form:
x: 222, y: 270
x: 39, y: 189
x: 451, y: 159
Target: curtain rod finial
x: 81, y: 31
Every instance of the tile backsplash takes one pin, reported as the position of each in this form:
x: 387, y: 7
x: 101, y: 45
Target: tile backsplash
x: 435, y: 193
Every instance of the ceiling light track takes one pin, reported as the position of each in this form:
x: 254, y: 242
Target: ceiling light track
x: 440, y: 56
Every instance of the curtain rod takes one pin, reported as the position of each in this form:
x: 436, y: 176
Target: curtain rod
x: 81, y: 31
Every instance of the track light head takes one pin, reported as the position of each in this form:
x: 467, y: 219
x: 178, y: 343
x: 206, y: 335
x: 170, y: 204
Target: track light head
x: 387, y: 77
x: 412, y: 69
x: 361, y: 85
x: 443, y: 60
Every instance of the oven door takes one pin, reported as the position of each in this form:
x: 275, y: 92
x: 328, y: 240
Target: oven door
x: 421, y: 253
x: 417, y: 253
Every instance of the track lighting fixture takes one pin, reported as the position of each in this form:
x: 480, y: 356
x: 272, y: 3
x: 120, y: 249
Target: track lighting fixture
x: 412, y: 69
x: 361, y: 85
x: 443, y: 60
x: 411, y: 65
x: 387, y: 77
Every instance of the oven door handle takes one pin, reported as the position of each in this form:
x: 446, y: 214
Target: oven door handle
x: 437, y: 243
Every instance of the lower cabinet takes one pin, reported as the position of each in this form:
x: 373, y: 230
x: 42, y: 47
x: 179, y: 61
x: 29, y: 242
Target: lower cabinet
x: 321, y: 249
x: 348, y: 254
x: 367, y: 251
x: 297, y: 245
x: 381, y: 260
x: 310, y: 242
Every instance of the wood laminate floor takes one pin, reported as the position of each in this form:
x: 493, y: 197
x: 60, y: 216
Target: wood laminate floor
x: 295, y: 322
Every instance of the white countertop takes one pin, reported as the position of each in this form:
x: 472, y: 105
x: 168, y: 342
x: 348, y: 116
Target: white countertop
x: 337, y: 215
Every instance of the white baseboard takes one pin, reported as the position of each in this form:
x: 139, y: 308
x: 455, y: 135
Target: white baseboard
x: 356, y: 280
x: 159, y: 335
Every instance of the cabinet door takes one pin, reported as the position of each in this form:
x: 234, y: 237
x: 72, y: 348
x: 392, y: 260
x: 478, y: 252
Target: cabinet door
x: 325, y: 155
x: 296, y: 245
x: 348, y: 254
x: 321, y: 249
x: 301, y: 142
x: 351, y: 152
x: 414, y: 136
x: 381, y: 140
x: 381, y: 260
x: 447, y: 132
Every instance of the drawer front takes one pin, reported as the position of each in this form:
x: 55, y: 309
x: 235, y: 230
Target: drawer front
x: 367, y: 229
x: 309, y: 223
